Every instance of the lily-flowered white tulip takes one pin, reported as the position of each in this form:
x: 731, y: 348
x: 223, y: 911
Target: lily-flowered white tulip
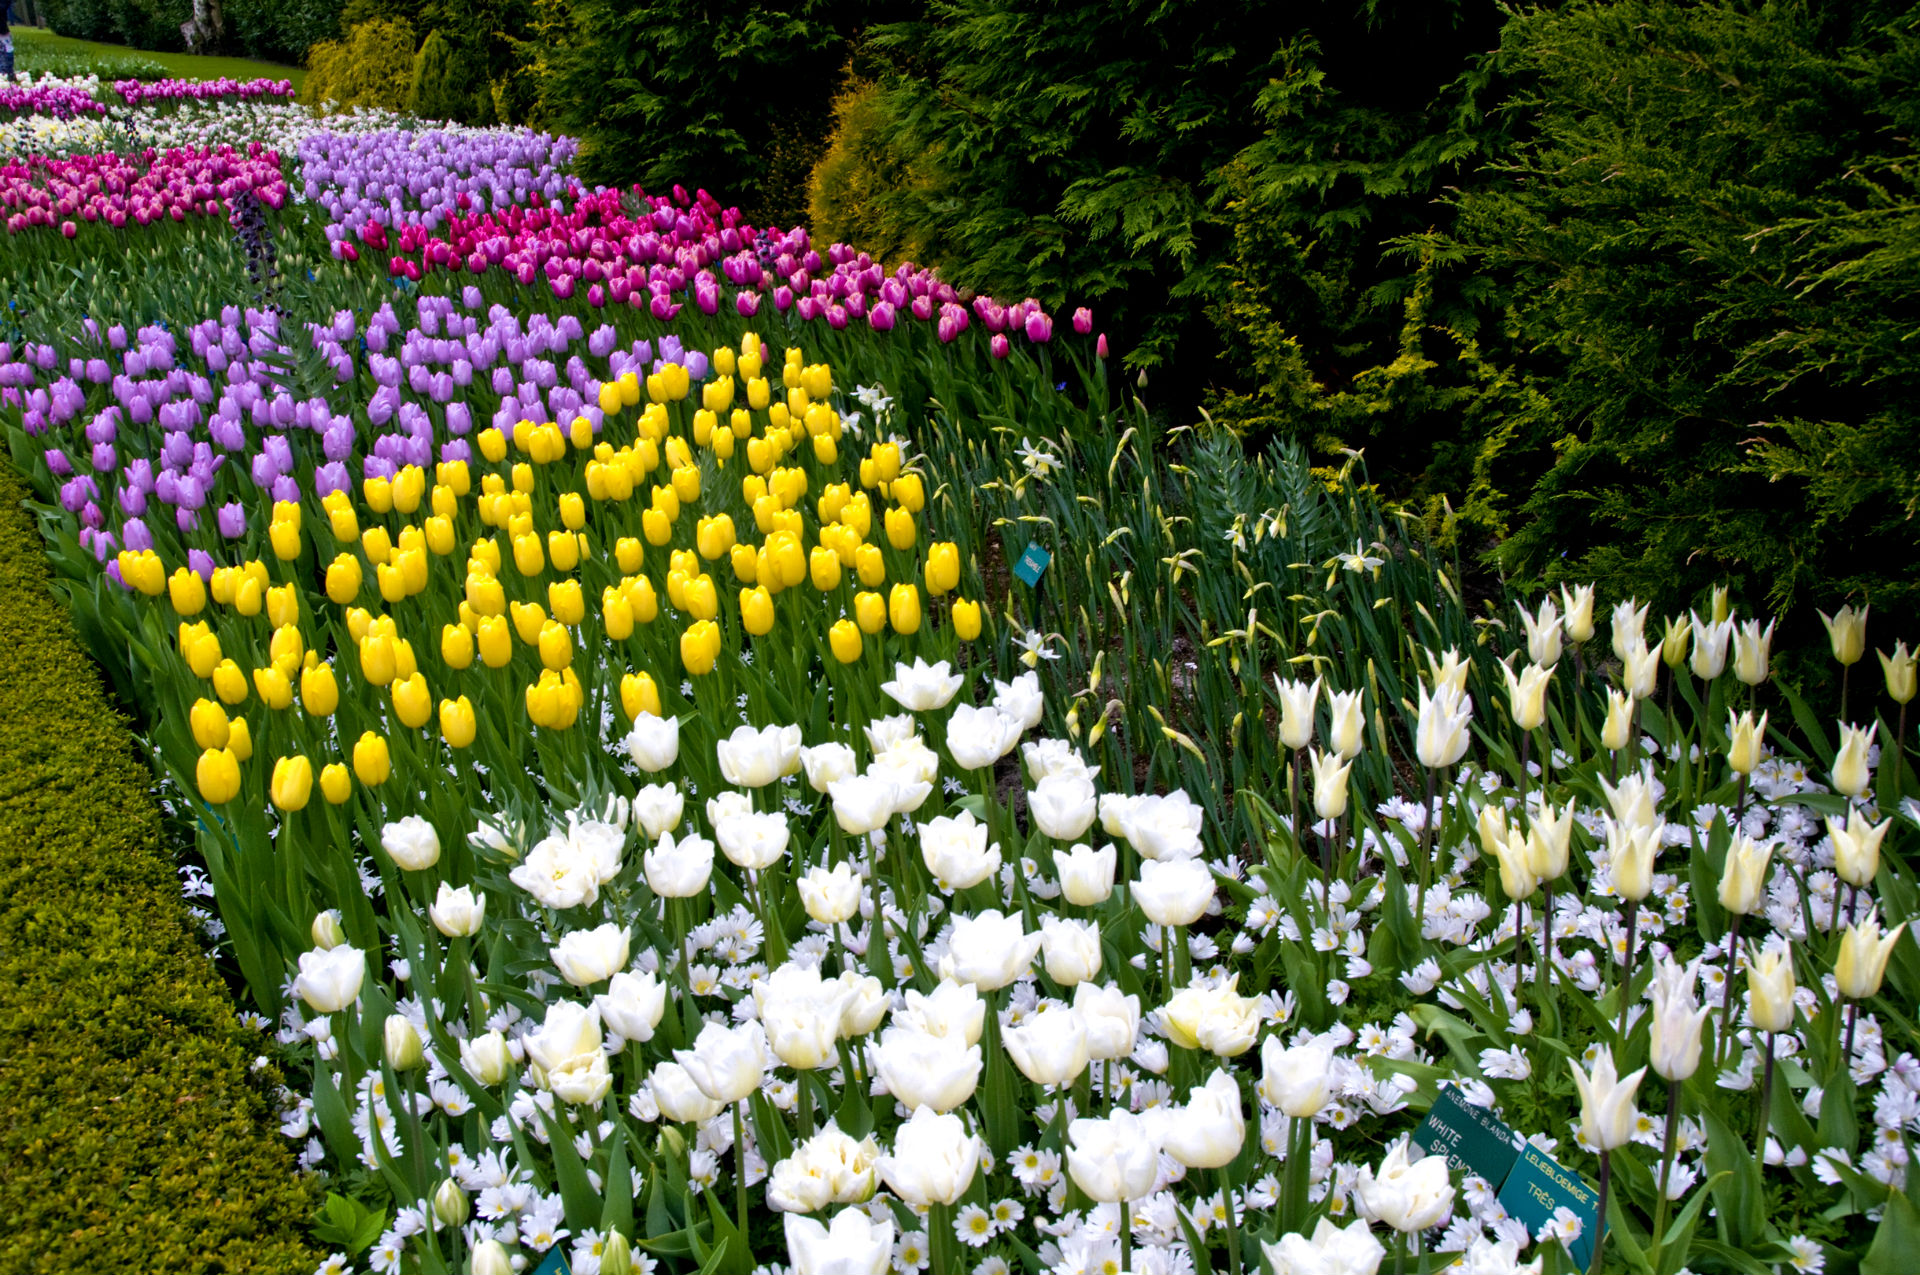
x: 1297, y: 700
x: 1851, y: 774
x: 1543, y: 632
x: 1607, y: 1114
x: 1442, y: 736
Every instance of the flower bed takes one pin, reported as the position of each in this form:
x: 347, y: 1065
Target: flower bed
x: 115, y: 189
x: 147, y: 92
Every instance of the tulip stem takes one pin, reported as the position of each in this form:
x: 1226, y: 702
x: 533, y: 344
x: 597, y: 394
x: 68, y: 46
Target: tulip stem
x: 1766, y: 1098
x: 1545, y: 988
x: 1233, y: 1235
x: 1666, y: 1168
x: 1600, y: 1231
x: 804, y: 1105
x: 1429, y: 817
x: 1726, y: 995
x: 740, y: 1166
x: 1853, y: 1021
x: 1526, y: 752
x: 1293, y: 795
x: 1740, y: 804
x: 1126, y: 1235
x: 1626, y: 979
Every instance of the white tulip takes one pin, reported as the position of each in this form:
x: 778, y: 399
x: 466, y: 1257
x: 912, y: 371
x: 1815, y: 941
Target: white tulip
x: 1071, y: 950
x: 990, y: 949
x: 1209, y: 1131
x: 853, y: 1246
x: 979, y: 737
x: 1164, y: 828
x: 956, y: 852
x: 830, y: 895
x: 679, y: 869
x: 752, y: 758
x: 1335, y: 1250
x: 1115, y: 1159
x: 726, y: 1064
x: 1021, y: 700
x: 1112, y: 1019
x: 922, y: 1070
x: 1049, y: 1047
x: 654, y: 742
x: 657, y: 808
x: 679, y: 1099
x: 458, y: 913
x: 753, y: 841
x: 825, y: 763
x: 1297, y: 700
x: 1086, y: 874
x: 1408, y: 1195
x: 933, y: 1160
x: 1299, y: 1081
x: 632, y: 1005
x: 923, y: 687
x: 953, y: 1010
x: 863, y: 803
x: 1174, y: 893
x: 411, y: 843
x: 330, y: 980
x: 585, y: 957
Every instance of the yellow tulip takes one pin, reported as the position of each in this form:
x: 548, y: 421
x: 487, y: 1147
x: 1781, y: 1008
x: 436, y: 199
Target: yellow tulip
x: 371, y: 760
x: 378, y: 663
x: 909, y: 493
x: 454, y: 474
x: 642, y: 598
x: 556, y: 645
x: 701, y: 598
x: 249, y: 596
x: 745, y: 564
x: 568, y: 601
x: 445, y: 501
x: 825, y: 450
x: 458, y: 725
x: 700, y: 647
x: 209, y: 723
x: 886, y: 461
x: 756, y: 611
x: 343, y: 580
x: 527, y: 558
x: 818, y: 380
x: 900, y: 532
x: 903, y: 608
x: 783, y: 548
x: 218, y: 776
x: 639, y: 695
x: 656, y: 526
x: 336, y: 784
x: 824, y: 565
x: 943, y: 568
x: 440, y: 534
x: 495, y: 642
x: 412, y: 701
x: 845, y: 640
x: 610, y: 398
x: 229, y: 683
x: 359, y: 623
x: 409, y: 486
x: 376, y: 544
x: 715, y: 536
x: 283, y: 606
x: 456, y: 646
x: 563, y: 547
x: 392, y: 582
x: 343, y: 524
x: 486, y: 595
x: 966, y: 619
x: 404, y: 665
x: 285, y: 539
x: 628, y: 554
x: 378, y: 493
x: 686, y: 484
x: 187, y: 592
x: 870, y: 612
x: 319, y: 691
x: 274, y: 688
x: 870, y: 565
x: 292, y: 783
x: 858, y: 514
x: 204, y: 656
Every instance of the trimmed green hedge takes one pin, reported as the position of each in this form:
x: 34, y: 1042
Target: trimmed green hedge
x: 132, y: 1135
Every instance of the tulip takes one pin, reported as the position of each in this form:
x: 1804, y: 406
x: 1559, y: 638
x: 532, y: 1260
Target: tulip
x: 412, y: 843
x: 458, y: 724
x: 679, y: 870
x: 335, y: 783
x: 956, y: 851
x: 401, y: 1041
x: 903, y: 609
x: 209, y: 724
x: 1710, y: 639
x: 1114, y: 1160
x: 292, y: 783
x: 1086, y: 874
x: 1049, y: 1047
x: 458, y: 913
x: 830, y: 895
x: 1549, y: 842
x: 1851, y: 774
x: 1746, y: 741
x: 1208, y: 1132
x: 1617, y: 731
x: 853, y: 1246
x: 923, y: 687
x: 586, y: 957
x: 326, y: 930
x: 1349, y: 722
x: 726, y: 1065
x: 752, y: 841
x: 800, y: 1013
x: 1673, y: 645
x: 657, y: 809
x: 934, y: 1159
x: 1298, y: 1080
x: 1750, y: 644
x: 1677, y: 1020
x: 979, y: 737
x: 1576, y: 606
x: 1329, y: 784
x: 567, y: 1049
x: 952, y: 1010
x: 927, y: 1071
x: 1332, y: 1251
x: 1745, y: 874
x: 1441, y: 738
x: 1174, y: 893
x: 1640, y: 671
x: 1112, y: 1019
x: 1862, y: 964
x: 1770, y: 988
x: 329, y: 981
x: 1847, y: 634
x: 1070, y: 949
x: 1217, y: 1019
x: 218, y: 776
x: 1515, y: 858
x: 490, y: 1258
x: 752, y: 758
x: 1856, y: 848
x: 990, y: 949
x: 240, y: 741
x: 1631, y: 851
x: 1063, y: 806
x: 371, y: 761
x: 678, y: 1098
x: 1543, y: 632
x: 1903, y: 673
x: 632, y: 1005
x: 1527, y: 694
x: 1408, y: 1195
x: 864, y: 803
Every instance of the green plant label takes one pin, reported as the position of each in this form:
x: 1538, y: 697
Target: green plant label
x: 1032, y: 563
x: 1539, y: 1185
x: 555, y: 1263
x: 1473, y: 1140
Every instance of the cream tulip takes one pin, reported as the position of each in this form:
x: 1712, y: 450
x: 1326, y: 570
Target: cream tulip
x: 955, y: 850
x: 922, y: 687
x: 1215, y: 1018
x: 679, y: 869
x: 752, y: 758
x: 853, y: 1245
x: 830, y: 895
x: 1086, y: 874
x: 1527, y: 695
x: 1745, y: 874
x: 1770, y: 988
x: 1607, y: 1114
x: 726, y: 1064
x: 1617, y: 731
x: 1847, y: 633
x: 458, y: 913
x: 1116, y: 1159
x: 1442, y: 736
x: 1349, y: 724
x: 654, y: 742
x: 1406, y: 1194
x: 632, y: 1005
x: 1864, y: 953
x: 1174, y: 893
x: 825, y: 763
x: 1677, y: 1020
x: 411, y: 843
x: 1543, y: 632
x: 1112, y: 1019
x: 1161, y: 827
x: 1063, y: 806
x: 934, y: 1159
x: 1631, y: 852
x: 657, y: 809
x: 1856, y: 847
x: 979, y: 737
x: 1329, y: 784
x: 1049, y: 1047
x: 1710, y: 639
x: 1750, y: 649
x: 1629, y: 628
x: 1746, y: 741
x: 1070, y: 950
x: 1299, y: 1081
x: 1851, y: 774
x: 679, y: 1099
x: 330, y: 980
x: 1576, y: 606
x: 585, y: 957
x: 1297, y: 700
x: 1903, y: 673
x: 1208, y: 1132
x: 925, y: 1071
x: 989, y: 949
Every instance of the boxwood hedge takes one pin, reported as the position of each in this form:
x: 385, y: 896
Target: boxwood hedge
x: 133, y: 1134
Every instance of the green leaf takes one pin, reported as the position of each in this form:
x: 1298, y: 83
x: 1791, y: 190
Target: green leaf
x: 347, y: 1224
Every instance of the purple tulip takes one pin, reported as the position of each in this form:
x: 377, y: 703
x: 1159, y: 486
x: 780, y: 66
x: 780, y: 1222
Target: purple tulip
x: 232, y: 520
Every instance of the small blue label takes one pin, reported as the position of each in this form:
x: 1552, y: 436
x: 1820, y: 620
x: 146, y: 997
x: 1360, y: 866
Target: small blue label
x: 1032, y: 564
x: 555, y: 1263
x: 1540, y: 1184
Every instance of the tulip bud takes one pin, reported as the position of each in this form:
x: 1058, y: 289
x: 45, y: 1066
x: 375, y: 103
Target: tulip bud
x: 402, y: 1044
x: 1750, y: 647
x: 209, y: 723
x: 490, y: 1256
x: 218, y: 775
x: 1900, y: 669
x: 1329, y: 784
x: 1677, y: 1020
x: 1607, y: 1115
x: 458, y: 723
x: 1617, y: 731
x: 326, y: 931
x: 1847, y: 633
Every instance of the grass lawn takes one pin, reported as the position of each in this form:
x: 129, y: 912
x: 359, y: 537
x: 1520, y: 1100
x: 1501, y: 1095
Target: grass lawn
x: 36, y: 43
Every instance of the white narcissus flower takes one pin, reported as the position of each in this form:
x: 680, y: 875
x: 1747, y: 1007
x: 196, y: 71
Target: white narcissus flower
x: 825, y: 763
x: 585, y: 957
x: 1086, y: 874
x: 933, y: 1160
x: 1115, y: 1159
x: 752, y: 758
x: 654, y: 742
x: 923, y: 687
x: 1070, y: 950
x: 1333, y: 1250
x: 1063, y: 806
x: 679, y: 869
x: 979, y: 737
x: 956, y: 851
x: 1209, y: 1131
x: 1021, y: 699
x: 411, y: 843
x: 952, y: 1009
x: 558, y: 874
x: 726, y: 1064
x: 1164, y: 828
x: 830, y: 895
x: 1174, y: 893
x: 1607, y: 1115
x: 458, y: 913
x: 853, y: 1246
x: 989, y: 950
x: 1299, y: 1081
x: 657, y: 808
x: 1049, y: 1047
x: 330, y: 980
x: 633, y: 1005
x: 752, y: 841
x: 1408, y: 1195
x: 922, y: 1070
